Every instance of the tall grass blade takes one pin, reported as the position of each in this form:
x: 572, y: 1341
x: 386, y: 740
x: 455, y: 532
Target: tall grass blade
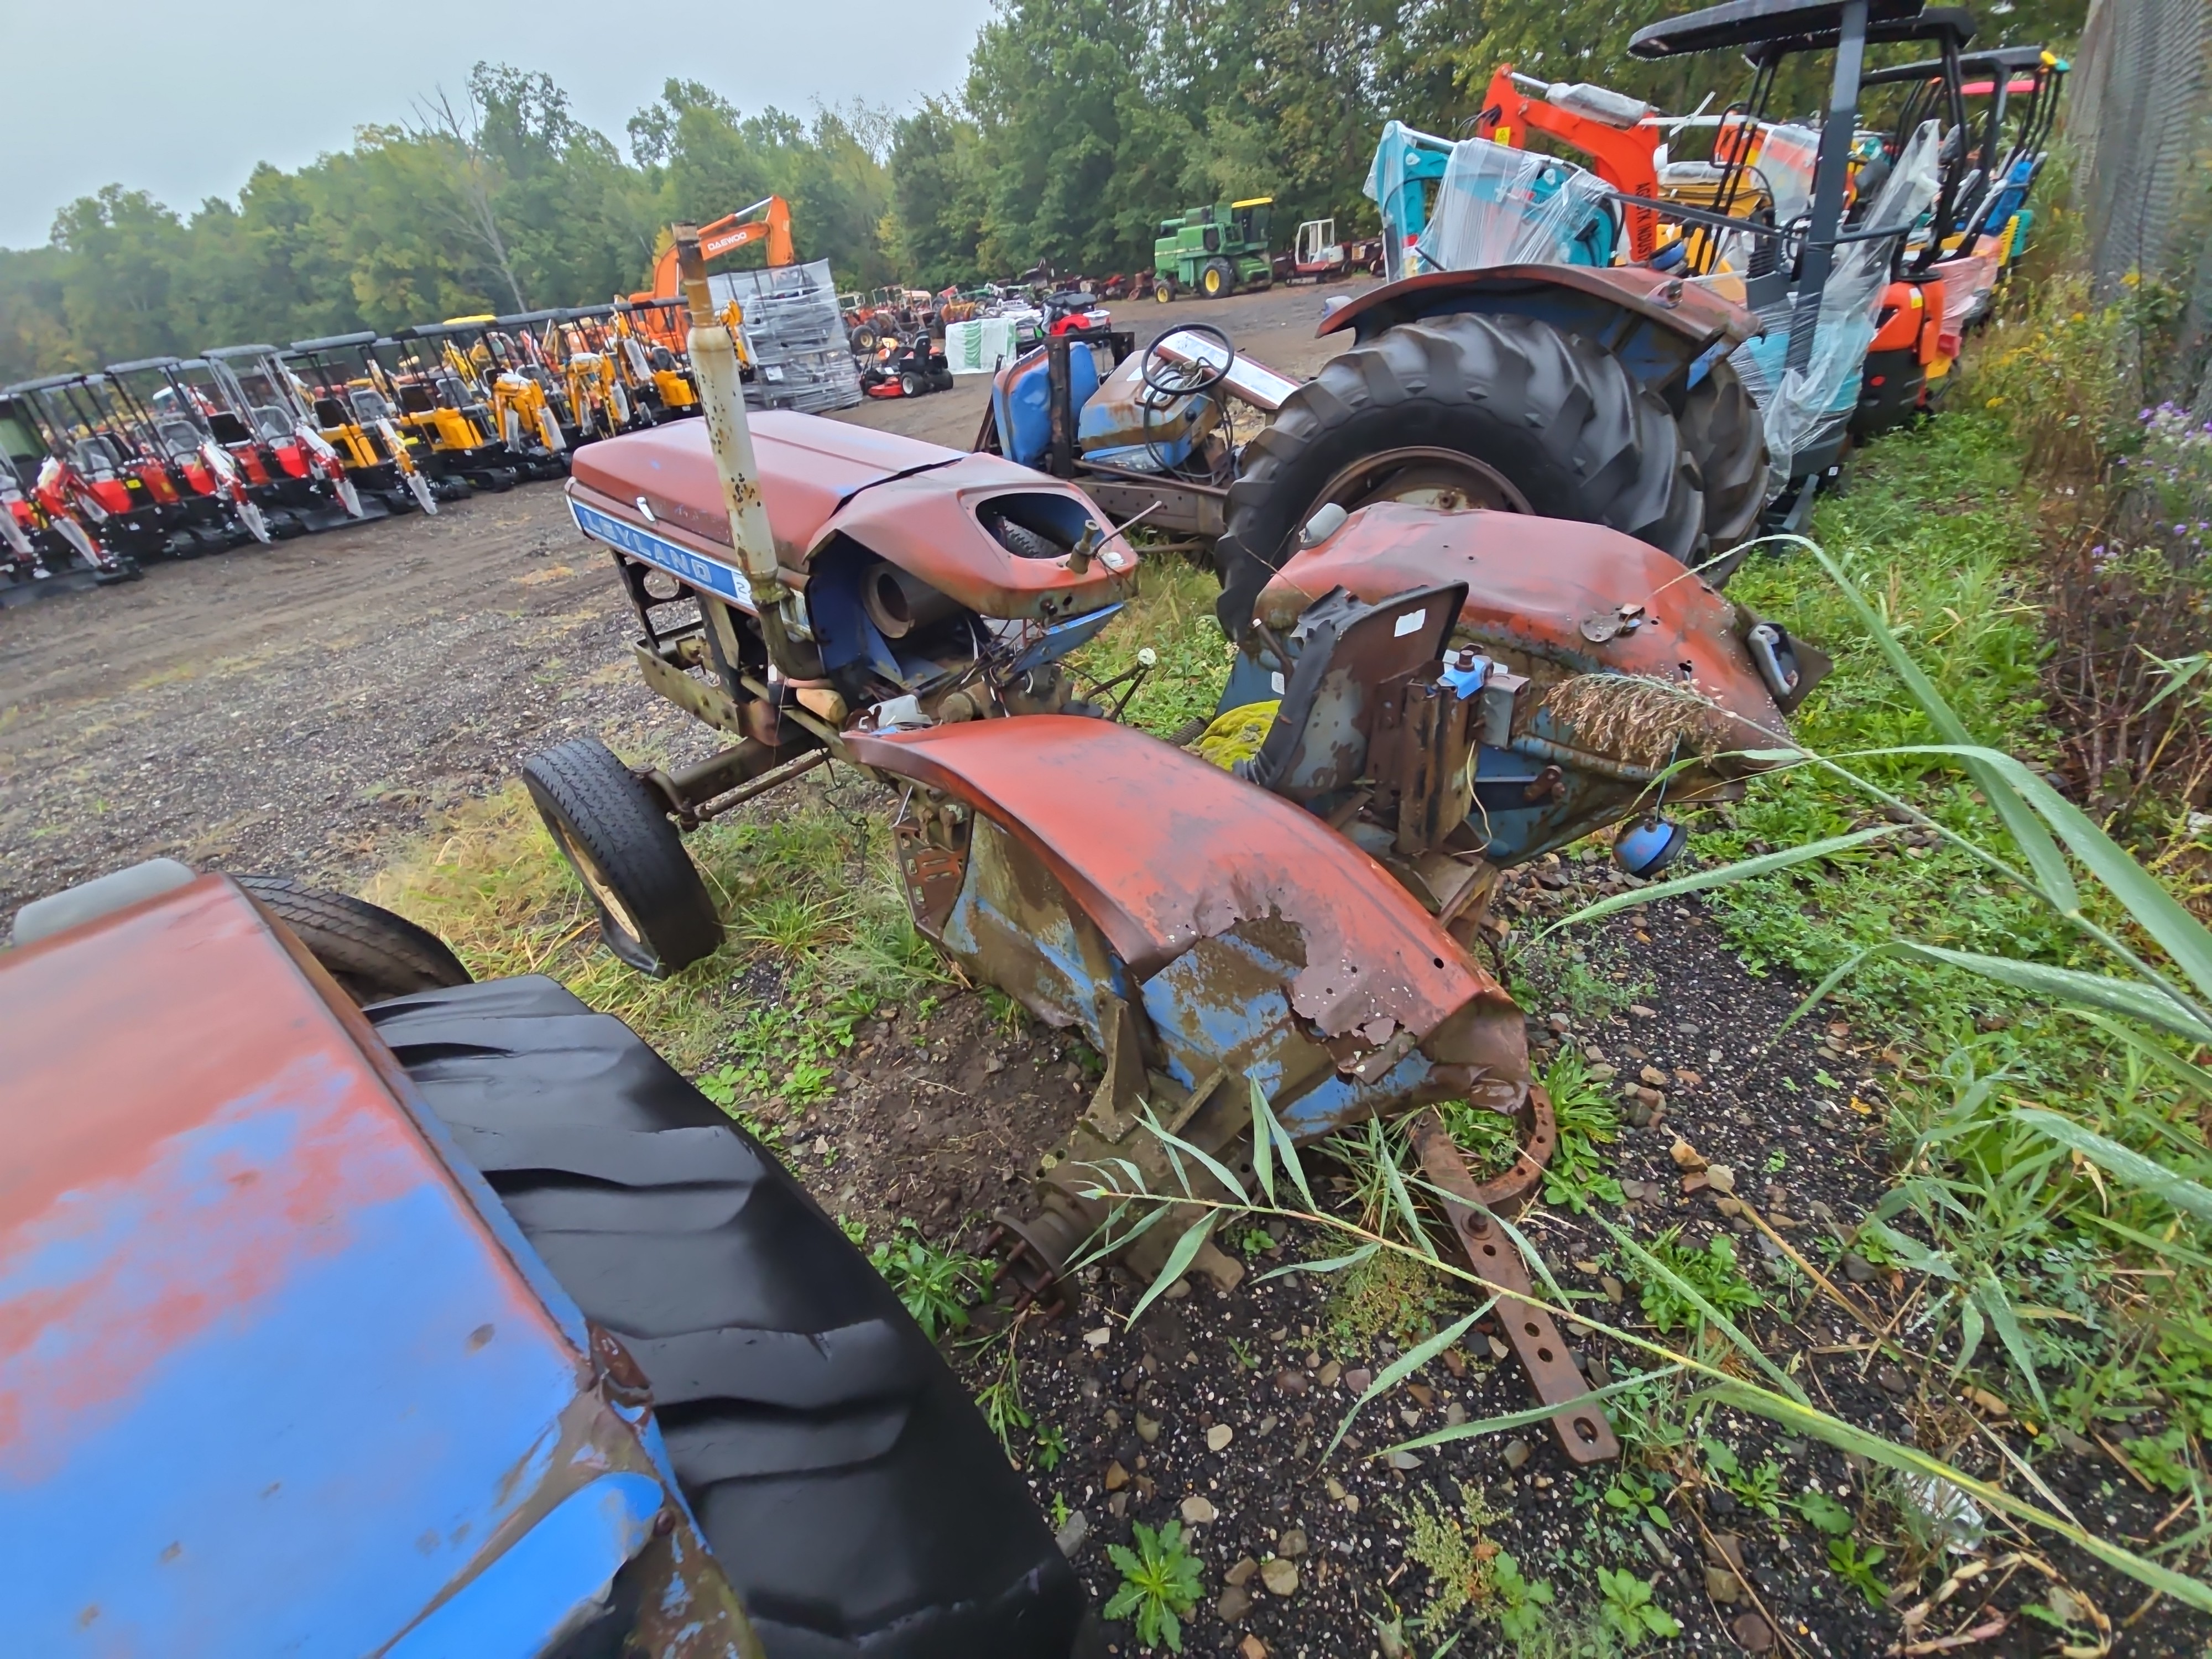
x: 2027, y: 831
x: 1906, y: 1460
x: 1712, y: 1315
x: 1214, y: 1165
x: 1332, y: 1264
x: 1403, y: 1367
x: 1178, y: 1262
x: 1521, y: 1419
x: 1697, y: 881
x: 2145, y: 1174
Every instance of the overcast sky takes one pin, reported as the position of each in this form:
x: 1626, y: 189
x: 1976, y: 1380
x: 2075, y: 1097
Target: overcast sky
x: 181, y: 100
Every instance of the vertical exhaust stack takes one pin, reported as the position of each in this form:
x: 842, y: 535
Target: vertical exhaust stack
x: 714, y: 361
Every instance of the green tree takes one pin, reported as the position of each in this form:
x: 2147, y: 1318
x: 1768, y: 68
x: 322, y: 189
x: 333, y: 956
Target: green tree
x: 937, y: 191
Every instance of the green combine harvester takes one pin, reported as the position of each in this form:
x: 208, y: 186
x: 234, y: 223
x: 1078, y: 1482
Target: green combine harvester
x: 1214, y: 251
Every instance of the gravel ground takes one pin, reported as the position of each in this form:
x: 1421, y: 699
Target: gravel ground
x: 304, y: 708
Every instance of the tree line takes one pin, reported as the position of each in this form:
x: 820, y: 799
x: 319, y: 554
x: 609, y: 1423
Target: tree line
x: 1081, y: 124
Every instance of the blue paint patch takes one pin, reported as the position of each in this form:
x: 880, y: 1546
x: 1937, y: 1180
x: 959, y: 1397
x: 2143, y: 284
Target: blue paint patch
x: 1199, y: 1029
x: 560, y: 1569
x: 1063, y: 637
x: 716, y: 577
x: 325, y: 1394
x: 1341, y: 1098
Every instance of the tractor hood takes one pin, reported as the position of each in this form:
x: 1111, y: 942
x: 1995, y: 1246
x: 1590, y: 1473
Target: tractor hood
x: 920, y: 505
x: 274, y: 1378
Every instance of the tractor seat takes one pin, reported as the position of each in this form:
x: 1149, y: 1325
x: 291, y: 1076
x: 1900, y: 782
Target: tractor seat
x: 1349, y: 657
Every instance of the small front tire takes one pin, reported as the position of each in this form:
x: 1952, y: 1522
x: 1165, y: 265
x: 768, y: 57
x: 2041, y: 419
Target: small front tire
x: 654, y: 913
x: 375, y: 954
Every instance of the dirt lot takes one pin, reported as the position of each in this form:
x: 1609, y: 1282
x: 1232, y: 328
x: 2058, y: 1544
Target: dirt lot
x: 297, y: 709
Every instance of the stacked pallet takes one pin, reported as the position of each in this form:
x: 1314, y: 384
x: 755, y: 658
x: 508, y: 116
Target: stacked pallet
x: 795, y: 336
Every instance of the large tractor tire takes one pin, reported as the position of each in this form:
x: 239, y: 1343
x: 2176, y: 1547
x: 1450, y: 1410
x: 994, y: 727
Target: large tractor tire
x: 1502, y: 412
x: 1726, y: 435
x: 1217, y: 279
x: 371, y: 951
x: 655, y: 912
x: 843, y: 1478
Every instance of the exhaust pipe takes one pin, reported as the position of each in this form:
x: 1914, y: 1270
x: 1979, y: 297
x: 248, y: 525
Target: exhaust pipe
x: 714, y: 359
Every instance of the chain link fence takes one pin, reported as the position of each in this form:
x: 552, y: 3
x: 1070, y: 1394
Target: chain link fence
x: 2140, y: 122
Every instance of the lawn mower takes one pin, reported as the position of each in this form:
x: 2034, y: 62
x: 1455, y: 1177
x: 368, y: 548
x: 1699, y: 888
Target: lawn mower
x: 348, y: 396
x: 442, y: 402
x: 1214, y: 251
x: 906, y: 368
x: 1424, y: 697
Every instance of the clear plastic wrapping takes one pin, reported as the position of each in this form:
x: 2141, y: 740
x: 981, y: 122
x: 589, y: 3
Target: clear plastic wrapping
x: 1808, y: 407
x: 1500, y: 206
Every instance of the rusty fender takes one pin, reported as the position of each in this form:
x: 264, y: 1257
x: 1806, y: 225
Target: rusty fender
x: 1199, y: 931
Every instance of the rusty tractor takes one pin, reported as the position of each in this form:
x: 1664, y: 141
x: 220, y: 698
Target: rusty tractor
x: 1287, y: 900
x: 545, y: 1356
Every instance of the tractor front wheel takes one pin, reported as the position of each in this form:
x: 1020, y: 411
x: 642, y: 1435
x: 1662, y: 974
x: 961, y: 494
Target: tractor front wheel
x: 1465, y: 411
x: 1164, y: 289
x: 1217, y: 279
x: 655, y: 912
x: 373, y: 953
x: 1726, y: 435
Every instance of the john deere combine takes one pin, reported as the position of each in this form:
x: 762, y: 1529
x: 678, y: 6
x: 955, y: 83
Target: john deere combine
x: 1214, y: 251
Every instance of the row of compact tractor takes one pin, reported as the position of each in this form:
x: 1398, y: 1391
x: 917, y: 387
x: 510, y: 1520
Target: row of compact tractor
x: 172, y: 457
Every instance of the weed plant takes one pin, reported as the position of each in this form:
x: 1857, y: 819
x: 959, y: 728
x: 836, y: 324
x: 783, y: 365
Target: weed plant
x: 1159, y: 1584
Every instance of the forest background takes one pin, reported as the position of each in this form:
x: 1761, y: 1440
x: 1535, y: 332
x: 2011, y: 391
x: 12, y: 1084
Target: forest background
x: 1082, y: 122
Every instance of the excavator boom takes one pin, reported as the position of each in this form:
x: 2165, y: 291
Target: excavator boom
x: 769, y: 218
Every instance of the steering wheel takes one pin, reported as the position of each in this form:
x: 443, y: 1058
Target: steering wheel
x: 1167, y: 379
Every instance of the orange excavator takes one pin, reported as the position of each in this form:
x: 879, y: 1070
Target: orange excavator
x: 769, y: 218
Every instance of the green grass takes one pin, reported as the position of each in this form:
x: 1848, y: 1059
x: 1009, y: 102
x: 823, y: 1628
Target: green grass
x: 1173, y: 616
x: 812, y: 910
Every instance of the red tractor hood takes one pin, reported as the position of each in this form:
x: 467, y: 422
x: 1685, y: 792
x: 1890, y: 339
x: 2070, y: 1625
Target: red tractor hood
x: 913, y: 503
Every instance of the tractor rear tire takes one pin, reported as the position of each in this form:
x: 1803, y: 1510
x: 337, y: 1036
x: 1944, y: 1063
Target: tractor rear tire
x: 1217, y: 279
x: 373, y: 953
x: 1540, y: 421
x: 655, y: 912
x: 850, y: 1489
x: 1725, y: 435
